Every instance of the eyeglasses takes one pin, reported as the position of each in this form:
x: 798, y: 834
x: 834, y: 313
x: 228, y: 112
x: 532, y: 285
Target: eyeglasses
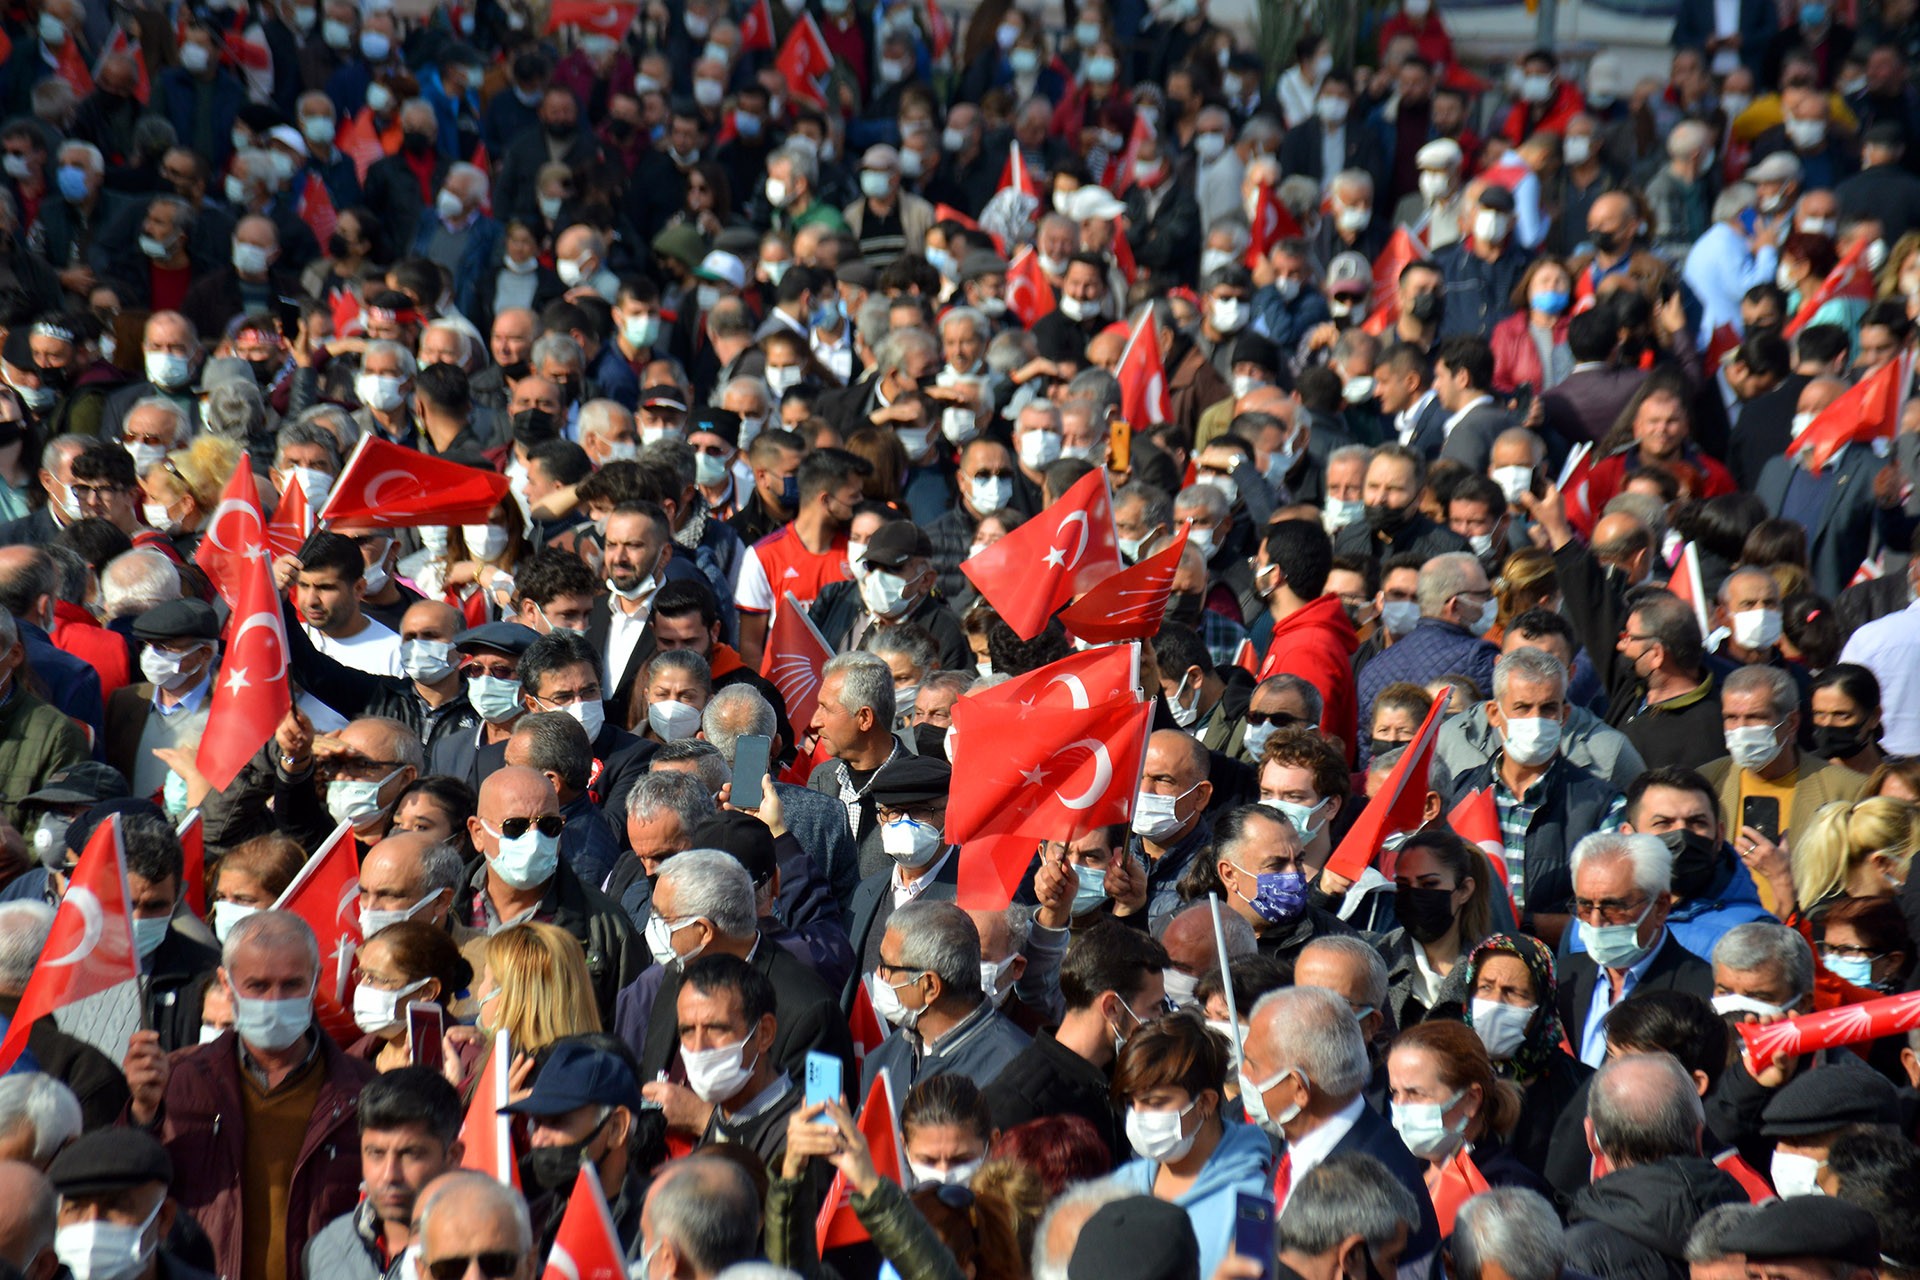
x: 1841, y: 951
x: 82, y: 491
x: 473, y: 671
x: 494, y: 1266
x: 355, y: 767
x: 1611, y: 910
x: 1278, y: 719
x: 550, y: 825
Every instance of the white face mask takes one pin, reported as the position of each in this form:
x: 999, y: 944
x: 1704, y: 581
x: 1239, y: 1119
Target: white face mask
x: 1039, y: 449
x: 1501, y: 1027
x: 375, y: 1011
x: 102, y: 1250
x: 228, y: 914
x: 1515, y: 482
x: 1157, y: 1135
x: 357, y: 801
x: 1754, y: 747
x: 374, y: 919
x: 1531, y: 740
x: 884, y: 594
x: 484, y: 541
x: 1731, y: 1002
x: 993, y: 979
x: 1756, y: 628
x: 1400, y: 616
x: 1795, y: 1174
x: 672, y: 721
x: 954, y: 1175
x: 426, y: 660
x: 273, y: 1025
x: 1155, y: 816
x: 718, y: 1074
x: 1424, y: 1127
x: 1229, y: 315
x: 911, y: 843
x: 163, y: 668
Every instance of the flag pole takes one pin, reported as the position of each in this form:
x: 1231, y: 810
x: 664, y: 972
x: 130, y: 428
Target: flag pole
x: 1226, y: 974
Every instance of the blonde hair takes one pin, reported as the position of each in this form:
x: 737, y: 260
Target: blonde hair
x: 1844, y: 834
x: 1527, y: 578
x: 201, y: 470
x: 545, y: 990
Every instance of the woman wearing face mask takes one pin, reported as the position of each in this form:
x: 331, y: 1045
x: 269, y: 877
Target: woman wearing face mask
x: 1505, y: 993
x: 677, y: 688
x: 1864, y: 942
x: 475, y: 563
x: 948, y: 1130
x: 708, y: 205
x: 1450, y: 1109
x: 251, y: 877
x: 1441, y: 897
x: 1530, y: 345
x: 403, y: 963
x: 1846, y: 717
x: 535, y: 987
x: 1397, y: 714
x: 522, y: 279
x: 1097, y: 112
x: 179, y: 494
x: 1169, y: 1079
x: 356, y: 253
x: 1862, y: 849
x: 1805, y: 261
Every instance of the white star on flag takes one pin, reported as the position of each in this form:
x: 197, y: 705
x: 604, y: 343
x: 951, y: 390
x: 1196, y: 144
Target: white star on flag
x: 238, y: 680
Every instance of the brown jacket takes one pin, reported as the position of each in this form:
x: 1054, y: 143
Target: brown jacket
x: 200, y: 1125
x: 1194, y: 386
x: 1820, y: 783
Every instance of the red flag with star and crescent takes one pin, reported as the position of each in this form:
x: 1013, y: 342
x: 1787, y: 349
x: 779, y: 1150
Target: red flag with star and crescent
x: 1045, y: 773
x: 1399, y: 806
x: 586, y: 1247
x: 394, y: 487
x: 326, y: 894
x: 756, y: 27
x: 486, y: 1135
x: 1272, y: 223
x: 1864, y: 413
x: 1383, y: 306
x: 1130, y: 604
x: 125, y: 41
x: 1029, y: 296
x: 1476, y: 819
x: 600, y: 17
x: 1144, y: 399
x: 89, y: 946
x: 250, y: 696
x: 235, y: 530
x: 803, y: 59
x: 292, y: 521
x: 1850, y: 278
x: 1067, y: 549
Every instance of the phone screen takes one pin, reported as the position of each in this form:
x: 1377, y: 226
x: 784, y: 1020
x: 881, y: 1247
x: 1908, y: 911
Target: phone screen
x: 750, y: 753
x: 1762, y: 813
x: 823, y: 1080
x: 426, y: 1028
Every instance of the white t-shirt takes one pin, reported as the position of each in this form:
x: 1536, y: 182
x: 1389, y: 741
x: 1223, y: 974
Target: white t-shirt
x: 375, y: 648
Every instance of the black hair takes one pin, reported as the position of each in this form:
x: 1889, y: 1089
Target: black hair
x: 552, y: 652
x: 447, y: 387
x: 152, y: 847
x: 329, y: 550
x: 1677, y: 1022
x: 1176, y: 648
x: 682, y: 596
x: 1469, y: 354
x: 712, y: 974
x: 826, y: 469
x: 1109, y: 956
x: 551, y: 573
x: 563, y: 461
x: 1303, y: 552
x: 408, y: 1096
x: 1671, y: 778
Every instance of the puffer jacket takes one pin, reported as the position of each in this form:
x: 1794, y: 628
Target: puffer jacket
x: 1633, y: 1224
x: 201, y: 1127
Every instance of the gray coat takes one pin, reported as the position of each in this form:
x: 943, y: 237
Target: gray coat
x: 341, y: 1249
x: 819, y: 823
x: 1467, y: 741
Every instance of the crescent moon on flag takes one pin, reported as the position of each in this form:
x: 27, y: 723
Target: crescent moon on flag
x: 1080, y: 548
x: 267, y: 620
x: 563, y: 1262
x: 379, y: 482
x: 1102, y: 774
x: 92, y: 920
x: 1076, y: 689
x: 220, y: 513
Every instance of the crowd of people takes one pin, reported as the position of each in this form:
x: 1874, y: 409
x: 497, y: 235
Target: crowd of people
x: 1534, y: 435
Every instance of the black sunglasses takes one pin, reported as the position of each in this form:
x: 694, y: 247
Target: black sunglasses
x: 549, y: 825
x: 495, y: 1266
x: 1280, y: 719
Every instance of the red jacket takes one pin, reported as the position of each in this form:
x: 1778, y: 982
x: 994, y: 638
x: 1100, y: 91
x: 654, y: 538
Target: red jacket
x: 1555, y: 112
x: 1316, y: 643
x: 201, y: 1128
x: 79, y: 633
x: 1515, y: 358
x: 1609, y: 476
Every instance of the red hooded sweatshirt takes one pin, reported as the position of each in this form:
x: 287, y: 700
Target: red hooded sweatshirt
x: 1316, y: 643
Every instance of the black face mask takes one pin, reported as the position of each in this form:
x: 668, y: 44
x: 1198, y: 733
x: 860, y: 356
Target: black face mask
x: 1427, y: 308
x: 561, y: 132
x: 416, y: 144
x: 555, y: 1168
x: 1607, y: 241
x: 1426, y: 913
x: 337, y: 246
x: 265, y: 370
x: 1696, y: 862
x: 620, y: 129
x: 515, y: 371
x: 534, y: 426
x: 1385, y: 519
x: 1842, y: 742
x: 1184, y: 607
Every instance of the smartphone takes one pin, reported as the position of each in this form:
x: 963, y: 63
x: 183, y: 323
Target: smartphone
x: 1523, y: 400
x: 1119, y: 445
x: 750, y: 753
x: 823, y: 1080
x: 1762, y: 813
x: 1253, y: 1230
x: 426, y: 1029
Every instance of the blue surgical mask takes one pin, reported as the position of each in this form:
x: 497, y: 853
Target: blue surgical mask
x: 526, y: 861
x: 1278, y: 896
x: 1857, y: 970
x: 495, y: 699
x: 1093, y: 889
x: 1615, y: 946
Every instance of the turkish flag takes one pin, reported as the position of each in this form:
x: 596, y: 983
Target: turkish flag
x: 292, y: 521
x: 1029, y: 295
x: 756, y: 27
x: 326, y: 894
x: 1065, y: 550
x: 1090, y: 678
x: 803, y: 59
x: 1400, y: 806
x: 939, y: 29
x: 869, y: 1033
x: 1245, y: 658
x: 1460, y: 1180
x: 1120, y: 169
x: 1144, y: 399
x: 1866, y: 412
x: 486, y: 1135
x: 1272, y: 223
x: 250, y: 695
x: 1872, y: 567
x: 393, y: 487
x: 586, y: 1246
x: 316, y: 208
x: 348, y: 312
x: 796, y: 654
x: 1049, y: 774
x: 1849, y: 278
x: 234, y: 531
x: 1689, y: 585
x: 1574, y: 475
x: 837, y: 1226
x: 1721, y: 341
x: 358, y: 138
x: 1383, y: 308
x: 193, y: 856
x: 991, y: 869
x: 1015, y: 176
x: 1476, y: 819
x: 598, y: 17
x: 90, y: 945
x: 1130, y: 604
x: 1123, y: 252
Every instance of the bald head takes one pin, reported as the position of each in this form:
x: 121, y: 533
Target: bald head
x: 1820, y: 393
x: 431, y: 620
x: 464, y: 1213
x: 28, y: 1215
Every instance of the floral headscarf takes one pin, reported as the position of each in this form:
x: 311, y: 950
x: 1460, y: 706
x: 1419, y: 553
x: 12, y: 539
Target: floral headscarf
x: 1543, y: 1034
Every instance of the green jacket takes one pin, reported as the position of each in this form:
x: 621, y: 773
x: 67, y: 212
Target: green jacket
x: 36, y: 740
x: 900, y: 1233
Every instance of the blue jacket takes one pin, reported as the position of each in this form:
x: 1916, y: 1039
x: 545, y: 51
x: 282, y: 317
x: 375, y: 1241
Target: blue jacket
x: 1698, y: 923
x: 73, y: 686
x: 177, y: 97
x: 1432, y: 649
x: 1287, y: 322
x: 478, y: 257
x: 1243, y: 1161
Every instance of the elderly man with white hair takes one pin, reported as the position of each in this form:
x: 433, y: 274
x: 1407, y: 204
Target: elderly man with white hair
x: 1678, y: 193
x: 1622, y: 893
x: 38, y: 1116
x: 1303, y: 1067
x: 1439, y: 204
x: 461, y: 236
x: 1727, y: 260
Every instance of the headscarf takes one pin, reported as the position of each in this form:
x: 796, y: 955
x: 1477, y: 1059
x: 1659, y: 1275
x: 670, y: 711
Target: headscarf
x: 1543, y: 1034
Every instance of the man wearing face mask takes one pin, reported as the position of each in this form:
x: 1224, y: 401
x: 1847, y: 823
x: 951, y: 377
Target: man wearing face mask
x: 1746, y: 612
x: 1456, y: 610
x: 1621, y: 895
x: 1169, y: 826
x: 897, y: 591
x: 522, y: 877
x: 1259, y: 869
x: 429, y: 696
x: 728, y: 1024
x: 1084, y: 308
x: 582, y: 1109
x: 1483, y: 269
x: 354, y: 775
x: 276, y: 1072
x: 1712, y: 891
x: 115, y: 1213
x: 562, y: 673
x: 1199, y: 700
x: 554, y: 744
x: 986, y: 478
x: 168, y: 709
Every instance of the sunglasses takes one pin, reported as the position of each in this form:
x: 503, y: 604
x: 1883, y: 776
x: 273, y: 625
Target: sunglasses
x: 549, y: 825
x: 495, y: 1266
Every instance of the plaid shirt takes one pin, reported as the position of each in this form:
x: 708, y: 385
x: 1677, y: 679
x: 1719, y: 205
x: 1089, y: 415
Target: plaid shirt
x: 1516, y: 819
x: 1222, y: 636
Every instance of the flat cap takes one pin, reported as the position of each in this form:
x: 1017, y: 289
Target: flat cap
x: 1828, y: 1097
x: 664, y: 395
x: 1139, y: 1238
x: 502, y: 637
x: 724, y: 423
x: 183, y: 619
x: 1808, y: 1227
x: 578, y: 1074
x: 107, y: 1161
x: 912, y: 780
x: 740, y: 834
x: 981, y: 262
x: 1497, y: 198
x: 1258, y: 350
x: 896, y: 542
x: 81, y: 829
x: 1093, y: 202
x: 88, y: 782
x: 1781, y: 166
x: 1441, y: 153
x: 861, y: 275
